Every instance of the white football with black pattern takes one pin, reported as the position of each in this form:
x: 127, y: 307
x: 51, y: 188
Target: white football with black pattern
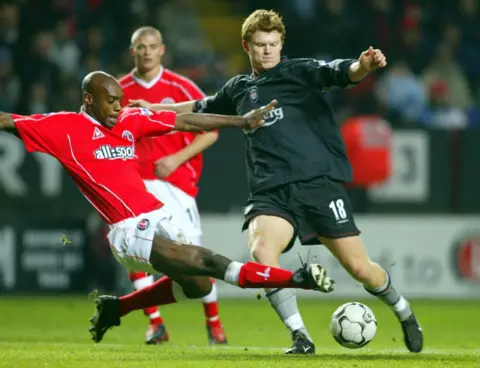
x: 353, y: 325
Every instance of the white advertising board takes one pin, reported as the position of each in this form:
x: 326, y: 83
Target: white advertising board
x: 410, y: 170
x: 433, y: 256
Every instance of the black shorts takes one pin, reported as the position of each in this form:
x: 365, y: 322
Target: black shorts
x: 318, y: 207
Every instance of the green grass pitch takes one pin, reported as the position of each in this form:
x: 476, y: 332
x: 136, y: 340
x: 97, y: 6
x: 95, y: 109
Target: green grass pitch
x: 53, y: 332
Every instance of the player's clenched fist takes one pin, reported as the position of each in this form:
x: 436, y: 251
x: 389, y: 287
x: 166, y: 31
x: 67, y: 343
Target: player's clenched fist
x: 255, y: 118
x: 372, y: 59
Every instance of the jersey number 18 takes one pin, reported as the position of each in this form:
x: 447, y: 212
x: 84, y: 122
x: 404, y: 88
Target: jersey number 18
x: 338, y: 209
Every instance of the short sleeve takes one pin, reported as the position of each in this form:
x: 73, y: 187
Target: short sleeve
x: 148, y: 123
x: 40, y: 133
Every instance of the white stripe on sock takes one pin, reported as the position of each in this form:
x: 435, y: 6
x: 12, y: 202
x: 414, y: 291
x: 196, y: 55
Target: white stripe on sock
x: 294, y: 322
x: 154, y: 315
x: 143, y: 282
x: 400, y: 305
x: 212, y: 296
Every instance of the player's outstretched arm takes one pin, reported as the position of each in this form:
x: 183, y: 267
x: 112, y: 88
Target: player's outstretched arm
x: 194, y: 122
x: 179, y: 108
x: 342, y: 73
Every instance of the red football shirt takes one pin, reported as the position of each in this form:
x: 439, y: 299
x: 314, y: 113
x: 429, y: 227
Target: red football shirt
x: 101, y: 161
x: 167, y: 87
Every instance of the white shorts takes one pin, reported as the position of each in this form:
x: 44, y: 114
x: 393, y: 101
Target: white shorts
x: 182, y: 206
x: 131, y: 239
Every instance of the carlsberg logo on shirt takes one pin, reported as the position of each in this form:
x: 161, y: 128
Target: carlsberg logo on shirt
x: 107, y: 152
x: 270, y: 118
x: 273, y: 116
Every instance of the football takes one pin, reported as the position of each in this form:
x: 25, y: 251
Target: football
x: 353, y: 325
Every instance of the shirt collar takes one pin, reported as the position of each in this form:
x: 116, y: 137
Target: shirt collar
x: 150, y: 84
x: 91, y: 118
x: 256, y: 75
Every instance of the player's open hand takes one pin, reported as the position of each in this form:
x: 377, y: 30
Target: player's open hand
x: 372, y: 59
x: 166, y: 165
x: 139, y: 103
x: 255, y: 118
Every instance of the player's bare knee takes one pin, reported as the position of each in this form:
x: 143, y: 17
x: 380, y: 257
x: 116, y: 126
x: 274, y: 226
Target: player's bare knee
x: 166, y: 255
x: 197, y: 287
x: 268, y: 236
x: 263, y: 253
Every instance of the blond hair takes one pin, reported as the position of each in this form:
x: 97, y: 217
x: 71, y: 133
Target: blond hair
x: 262, y: 20
x: 144, y: 31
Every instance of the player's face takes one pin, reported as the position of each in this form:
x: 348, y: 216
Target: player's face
x: 147, y: 51
x: 106, y: 104
x: 264, y: 49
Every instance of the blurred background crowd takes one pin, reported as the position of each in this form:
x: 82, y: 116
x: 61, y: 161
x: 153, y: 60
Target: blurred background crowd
x: 433, y: 78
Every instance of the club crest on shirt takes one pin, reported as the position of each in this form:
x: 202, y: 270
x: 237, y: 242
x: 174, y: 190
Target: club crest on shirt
x: 145, y: 111
x: 128, y: 136
x: 167, y: 100
x: 253, y: 94
x: 143, y: 224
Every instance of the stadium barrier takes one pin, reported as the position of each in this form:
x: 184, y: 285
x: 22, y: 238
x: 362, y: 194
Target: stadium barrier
x: 41, y: 257
x: 427, y: 256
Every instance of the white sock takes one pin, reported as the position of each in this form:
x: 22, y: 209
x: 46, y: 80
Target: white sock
x: 232, y: 273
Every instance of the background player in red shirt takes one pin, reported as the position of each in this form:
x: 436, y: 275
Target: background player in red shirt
x: 97, y: 148
x: 170, y: 165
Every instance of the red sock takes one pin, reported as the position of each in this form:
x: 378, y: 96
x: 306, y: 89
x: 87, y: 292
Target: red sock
x: 210, y: 309
x: 211, y: 313
x: 254, y: 275
x: 134, y: 276
x: 139, y: 281
x: 159, y: 293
